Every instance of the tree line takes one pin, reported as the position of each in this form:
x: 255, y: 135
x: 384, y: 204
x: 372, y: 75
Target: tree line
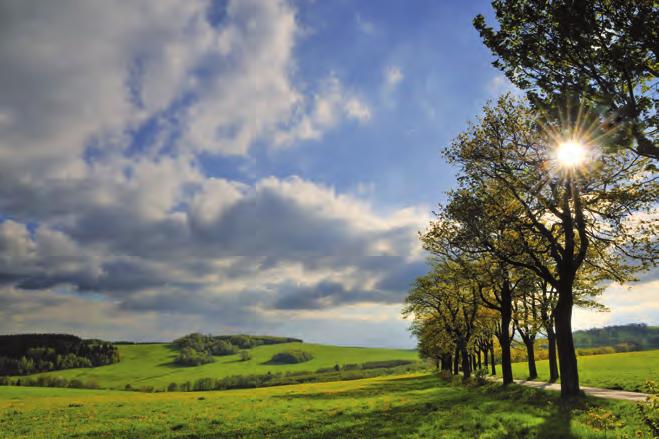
x: 25, y: 354
x: 529, y: 233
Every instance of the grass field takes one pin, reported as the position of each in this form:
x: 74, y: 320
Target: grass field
x: 626, y: 371
x: 392, y: 406
x: 152, y: 364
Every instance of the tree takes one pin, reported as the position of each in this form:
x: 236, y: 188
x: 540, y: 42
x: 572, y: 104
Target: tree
x: 497, y: 280
x: 557, y: 222
x: 602, y: 53
x: 527, y: 321
x: 450, y: 298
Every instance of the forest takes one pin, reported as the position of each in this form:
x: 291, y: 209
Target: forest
x: 24, y: 354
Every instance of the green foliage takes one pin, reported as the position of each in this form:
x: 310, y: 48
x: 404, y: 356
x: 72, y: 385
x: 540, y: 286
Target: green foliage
x: 26, y: 354
x: 292, y: 356
x: 197, y: 349
x: 603, y: 52
x: 221, y: 347
x: 632, y: 337
x: 245, y: 355
x: 191, y: 357
x: 650, y: 408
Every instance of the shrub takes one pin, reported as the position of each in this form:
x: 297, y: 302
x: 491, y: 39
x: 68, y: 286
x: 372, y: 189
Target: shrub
x: 222, y: 347
x: 385, y: 364
x: 291, y: 357
x: 650, y: 408
x: 172, y: 387
x: 350, y: 366
x: 204, y: 384
x: 245, y: 355
x: 191, y: 357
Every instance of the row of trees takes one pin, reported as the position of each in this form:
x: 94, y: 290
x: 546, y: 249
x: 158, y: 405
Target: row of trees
x: 528, y: 234
x: 522, y: 240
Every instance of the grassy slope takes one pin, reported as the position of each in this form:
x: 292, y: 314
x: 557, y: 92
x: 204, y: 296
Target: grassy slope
x: 399, y: 406
x: 151, y: 365
x: 627, y: 370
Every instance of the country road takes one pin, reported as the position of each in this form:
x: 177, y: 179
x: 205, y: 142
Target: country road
x: 592, y: 391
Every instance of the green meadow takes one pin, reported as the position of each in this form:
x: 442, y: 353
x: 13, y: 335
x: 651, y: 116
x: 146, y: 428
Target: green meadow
x: 413, y: 405
x: 621, y: 371
x: 152, y: 364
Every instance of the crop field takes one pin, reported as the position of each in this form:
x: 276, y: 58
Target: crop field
x: 152, y: 364
x: 626, y: 370
x: 412, y: 405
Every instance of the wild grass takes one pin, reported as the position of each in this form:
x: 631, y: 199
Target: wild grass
x: 413, y: 406
x: 622, y: 371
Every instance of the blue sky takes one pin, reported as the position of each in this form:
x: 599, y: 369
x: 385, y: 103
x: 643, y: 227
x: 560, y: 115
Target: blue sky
x: 233, y: 166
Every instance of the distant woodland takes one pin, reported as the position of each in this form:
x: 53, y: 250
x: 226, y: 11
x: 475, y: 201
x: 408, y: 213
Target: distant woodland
x: 638, y: 336
x: 25, y: 354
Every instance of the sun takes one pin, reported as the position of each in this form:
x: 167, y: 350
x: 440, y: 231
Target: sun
x: 571, y: 153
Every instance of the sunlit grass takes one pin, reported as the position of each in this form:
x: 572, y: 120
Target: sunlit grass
x: 625, y: 370
x: 152, y: 364
x: 399, y: 406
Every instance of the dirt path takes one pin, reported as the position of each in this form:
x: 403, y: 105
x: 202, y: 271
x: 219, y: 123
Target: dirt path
x: 592, y: 391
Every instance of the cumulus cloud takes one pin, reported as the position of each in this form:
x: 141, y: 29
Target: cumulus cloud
x: 106, y: 211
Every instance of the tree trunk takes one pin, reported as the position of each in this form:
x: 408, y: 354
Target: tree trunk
x: 530, y: 353
x: 485, y: 357
x: 504, y: 337
x: 456, y: 362
x: 480, y: 365
x: 553, y: 365
x: 446, y: 362
x: 492, y: 363
x: 566, y: 355
x: 466, y: 369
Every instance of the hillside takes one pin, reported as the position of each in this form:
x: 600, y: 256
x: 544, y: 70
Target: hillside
x: 637, y: 336
x: 153, y: 364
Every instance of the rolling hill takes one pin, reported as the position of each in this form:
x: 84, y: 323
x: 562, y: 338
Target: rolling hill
x: 152, y: 364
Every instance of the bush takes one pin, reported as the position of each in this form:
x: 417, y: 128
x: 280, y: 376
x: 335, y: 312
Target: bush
x: 649, y: 409
x: 385, y: 364
x: 245, y: 355
x: 291, y: 357
x: 204, y: 384
x: 191, y: 357
x: 222, y: 347
x: 173, y: 387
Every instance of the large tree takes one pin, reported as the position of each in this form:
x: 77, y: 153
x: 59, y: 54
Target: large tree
x: 557, y: 219
x: 602, y: 53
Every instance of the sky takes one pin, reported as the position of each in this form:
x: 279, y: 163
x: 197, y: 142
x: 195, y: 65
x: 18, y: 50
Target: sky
x: 241, y: 166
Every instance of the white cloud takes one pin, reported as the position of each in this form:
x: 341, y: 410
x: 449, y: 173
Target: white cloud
x: 329, y: 106
x: 106, y: 211
x: 631, y: 303
x: 392, y: 76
